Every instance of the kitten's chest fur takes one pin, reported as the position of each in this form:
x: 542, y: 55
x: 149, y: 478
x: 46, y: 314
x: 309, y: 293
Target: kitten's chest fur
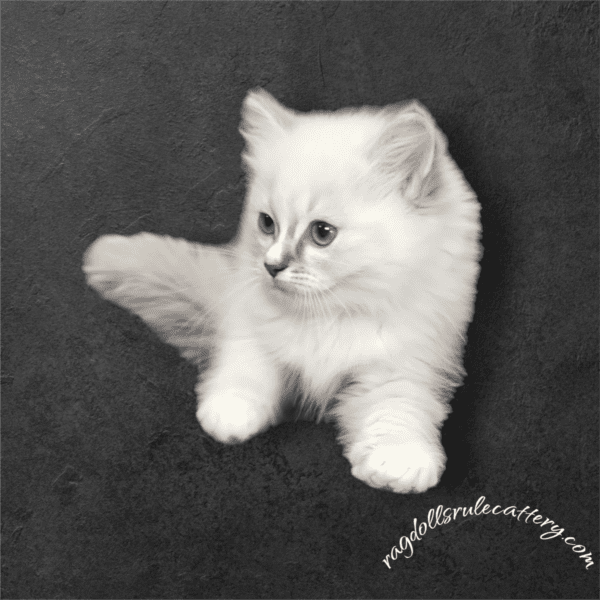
x: 321, y: 356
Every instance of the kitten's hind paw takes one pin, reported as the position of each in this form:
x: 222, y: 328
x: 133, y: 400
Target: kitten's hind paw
x: 231, y: 418
x: 401, y: 468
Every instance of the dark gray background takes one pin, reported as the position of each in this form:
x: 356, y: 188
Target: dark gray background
x: 122, y: 117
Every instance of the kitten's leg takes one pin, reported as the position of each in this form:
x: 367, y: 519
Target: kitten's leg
x: 173, y: 285
x: 240, y: 395
x: 391, y: 435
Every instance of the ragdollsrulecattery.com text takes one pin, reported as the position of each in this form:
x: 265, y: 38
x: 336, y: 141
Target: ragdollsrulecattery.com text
x: 442, y: 516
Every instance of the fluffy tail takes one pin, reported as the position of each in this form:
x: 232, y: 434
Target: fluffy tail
x: 175, y: 286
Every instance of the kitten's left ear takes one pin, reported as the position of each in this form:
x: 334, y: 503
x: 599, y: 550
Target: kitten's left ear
x: 406, y: 151
x: 263, y: 116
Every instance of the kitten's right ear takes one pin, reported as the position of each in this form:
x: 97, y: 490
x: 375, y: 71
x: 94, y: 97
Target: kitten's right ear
x: 263, y: 116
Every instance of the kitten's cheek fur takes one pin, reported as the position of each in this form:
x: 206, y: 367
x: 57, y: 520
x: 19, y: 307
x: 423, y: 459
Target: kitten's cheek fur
x: 410, y: 467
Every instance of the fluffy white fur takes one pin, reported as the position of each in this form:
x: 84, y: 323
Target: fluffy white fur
x: 367, y: 330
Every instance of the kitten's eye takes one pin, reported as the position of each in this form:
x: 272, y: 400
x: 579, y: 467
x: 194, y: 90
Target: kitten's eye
x: 266, y: 224
x: 322, y: 233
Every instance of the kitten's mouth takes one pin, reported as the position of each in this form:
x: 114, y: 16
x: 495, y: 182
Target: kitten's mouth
x: 287, y: 289
x: 284, y: 286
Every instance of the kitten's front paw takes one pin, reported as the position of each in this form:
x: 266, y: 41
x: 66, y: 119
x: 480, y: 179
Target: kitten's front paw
x: 230, y: 418
x: 107, y: 261
x: 402, y: 468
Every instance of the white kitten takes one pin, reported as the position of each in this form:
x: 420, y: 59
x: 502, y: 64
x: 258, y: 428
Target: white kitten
x: 348, y: 288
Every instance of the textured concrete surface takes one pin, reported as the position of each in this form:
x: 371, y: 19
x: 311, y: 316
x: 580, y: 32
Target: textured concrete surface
x: 122, y: 117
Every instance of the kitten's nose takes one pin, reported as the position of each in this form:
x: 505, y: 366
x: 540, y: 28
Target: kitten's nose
x: 274, y: 269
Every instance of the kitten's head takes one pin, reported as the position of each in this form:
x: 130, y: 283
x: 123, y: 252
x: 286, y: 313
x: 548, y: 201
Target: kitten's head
x: 333, y: 215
